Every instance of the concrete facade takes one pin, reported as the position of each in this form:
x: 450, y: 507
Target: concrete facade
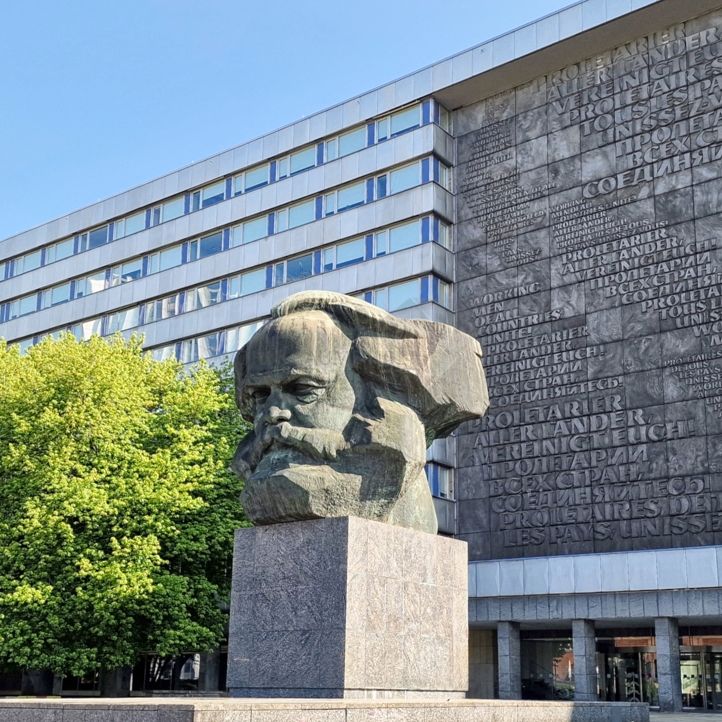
x: 578, y: 239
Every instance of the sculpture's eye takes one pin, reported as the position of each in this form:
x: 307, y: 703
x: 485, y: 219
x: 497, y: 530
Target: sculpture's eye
x: 260, y: 395
x: 304, y: 391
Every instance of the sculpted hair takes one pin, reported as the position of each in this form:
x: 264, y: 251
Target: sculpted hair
x: 431, y: 367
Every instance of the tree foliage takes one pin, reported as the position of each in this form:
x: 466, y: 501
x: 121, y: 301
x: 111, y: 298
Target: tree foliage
x: 117, y: 508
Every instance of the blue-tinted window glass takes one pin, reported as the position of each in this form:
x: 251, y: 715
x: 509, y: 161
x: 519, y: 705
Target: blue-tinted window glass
x: 131, y: 271
x: 351, y: 196
x: 209, y: 245
x: 208, y: 295
x: 170, y: 257
x: 60, y: 294
x: 303, y: 159
x: 353, y: 141
x: 403, y: 178
x: 135, y: 223
x: 302, y: 213
x: 210, y: 195
x: 329, y: 259
x: 404, y: 236
x: 28, y: 262
x: 350, y: 252
x: 299, y: 268
x: 255, y: 229
x: 381, y: 183
x: 404, y: 295
x: 59, y: 250
x: 172, y: 209
x: 256, y: 177
x: 405, y: 120
x: 98, y: 237
x: 123, y: 320
x: 253, y: 281
x: 279, y: 274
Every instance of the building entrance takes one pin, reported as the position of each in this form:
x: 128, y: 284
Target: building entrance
x: 701, y: 672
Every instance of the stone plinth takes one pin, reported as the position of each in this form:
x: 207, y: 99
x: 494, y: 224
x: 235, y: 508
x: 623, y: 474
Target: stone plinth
x: 246, y: 710
x: 347, y: 607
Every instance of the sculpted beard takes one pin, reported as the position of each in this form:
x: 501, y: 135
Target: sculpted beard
x: 282, y: 444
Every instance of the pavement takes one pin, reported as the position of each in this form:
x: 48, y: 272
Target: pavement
x: 686, y: 716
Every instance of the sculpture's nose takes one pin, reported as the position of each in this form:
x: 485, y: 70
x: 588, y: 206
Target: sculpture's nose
x: 275, y: 415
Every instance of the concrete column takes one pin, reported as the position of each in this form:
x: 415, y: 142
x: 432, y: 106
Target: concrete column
x: 508, y: 646
x: 666, y: 631
x: 584, y: 644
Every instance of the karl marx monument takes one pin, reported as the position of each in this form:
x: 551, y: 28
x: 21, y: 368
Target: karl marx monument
x: 343, y: 589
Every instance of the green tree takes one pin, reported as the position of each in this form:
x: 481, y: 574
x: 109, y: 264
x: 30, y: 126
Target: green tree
x: 117, y: 508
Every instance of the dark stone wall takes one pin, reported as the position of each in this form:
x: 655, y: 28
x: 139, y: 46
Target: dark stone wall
x: 589, y: 262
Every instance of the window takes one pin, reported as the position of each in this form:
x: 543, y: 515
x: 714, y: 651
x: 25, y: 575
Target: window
x: 206, y: 246
x: 444, y: 175
x: 441, y: 480
x: 444, y: 238
x: 253, y: 178
x: 444, y: 118
x: 59, y: 250
x: 403, y: 178
x: 56, y: 295
x: 23, y: 306
x: 162, y: 308
x: 203, y: 296
x: 85, y: 329
x: 28, y: 262
x: 25, y: 345
x: 443, y: 296
x: 123, y: 320
x: 250, y: 231
x: 400, y: 122
x: 238, y: 337
x: 194, y: 349
x: 161, y: 353
x: 94, y: 239
x: 298, y: 215
x: 90, y: 284
x: 131, y: 224
x: 129, y: 271
x: 405, y: 120
x: 350, y: 252
x: 352, y: 141
x: 404, y: 236
x: 329, y: 258
x: 299, y: 268
x: 351, y: 196
x: 174, y: 208
x: 210, y: 195
x: 168, y: 258
x: 403, y: 295
x: 303, y: 159
x: 252, y: 282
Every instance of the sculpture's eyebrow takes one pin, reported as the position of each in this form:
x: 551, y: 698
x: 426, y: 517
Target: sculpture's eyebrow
x: 286, y: 376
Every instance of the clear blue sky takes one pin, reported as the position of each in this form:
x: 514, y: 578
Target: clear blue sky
x: 100, y: 95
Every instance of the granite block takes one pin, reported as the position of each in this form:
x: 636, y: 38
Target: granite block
x: 362, y: 609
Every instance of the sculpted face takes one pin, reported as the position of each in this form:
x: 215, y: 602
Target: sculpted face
x: 343, y: 399
x: 296, y: 379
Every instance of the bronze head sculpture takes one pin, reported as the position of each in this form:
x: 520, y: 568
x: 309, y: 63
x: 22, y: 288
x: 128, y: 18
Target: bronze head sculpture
x: 344, y: 398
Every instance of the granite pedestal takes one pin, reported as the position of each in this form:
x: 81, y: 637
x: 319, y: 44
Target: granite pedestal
x: 347, y: 607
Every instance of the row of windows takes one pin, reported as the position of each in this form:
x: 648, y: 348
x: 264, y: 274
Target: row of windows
x: 301, y: 160
x: 393, y: 298
x: 384, y: 241
x: 341, y: 199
